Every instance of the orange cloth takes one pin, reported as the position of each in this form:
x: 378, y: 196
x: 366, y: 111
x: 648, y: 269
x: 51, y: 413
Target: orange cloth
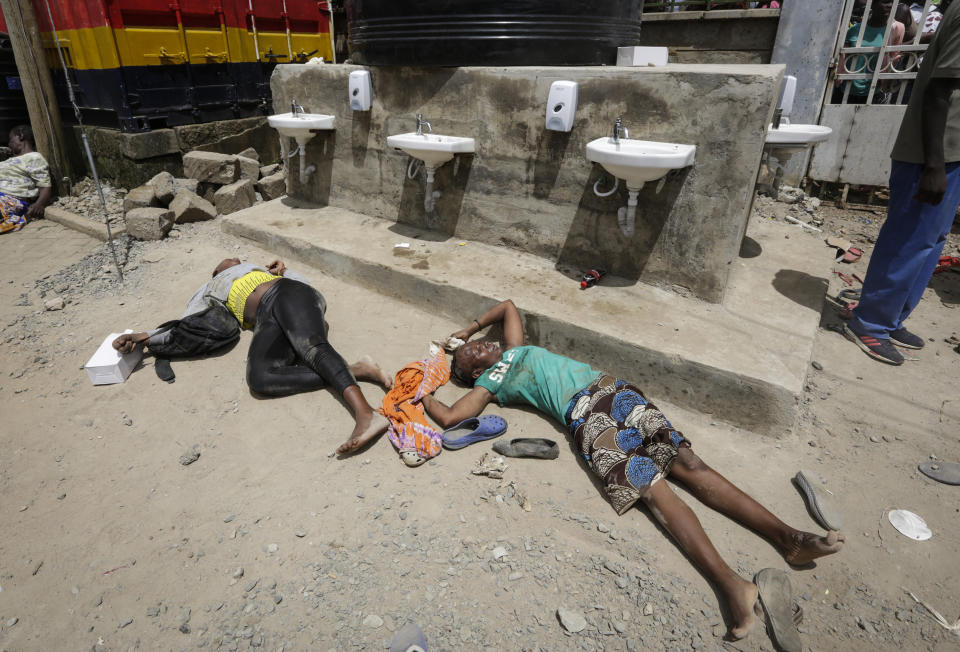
x: 409, y: 429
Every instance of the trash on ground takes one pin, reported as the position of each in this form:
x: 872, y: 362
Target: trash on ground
x: 490, y: 466
x: 909, y: 524
x: 943, y: 622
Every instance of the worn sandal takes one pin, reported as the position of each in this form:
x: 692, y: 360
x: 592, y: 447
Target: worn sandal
x: 545, y: 449
x: 777, y: 601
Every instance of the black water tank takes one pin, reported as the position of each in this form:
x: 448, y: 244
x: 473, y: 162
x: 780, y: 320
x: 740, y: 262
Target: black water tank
x: 491, y: 33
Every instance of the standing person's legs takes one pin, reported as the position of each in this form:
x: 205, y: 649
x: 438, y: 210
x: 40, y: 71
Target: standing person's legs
x: 941, y: 216
x: 910, y: 238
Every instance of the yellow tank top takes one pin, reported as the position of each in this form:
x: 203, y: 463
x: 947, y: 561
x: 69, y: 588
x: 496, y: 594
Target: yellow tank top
x: 242, y: 288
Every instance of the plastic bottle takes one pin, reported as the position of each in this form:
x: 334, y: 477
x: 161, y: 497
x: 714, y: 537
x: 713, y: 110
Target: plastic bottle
x: 591, y: 278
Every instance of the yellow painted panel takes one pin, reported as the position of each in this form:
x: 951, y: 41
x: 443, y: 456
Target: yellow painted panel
x: 83, y: 49
x: 100, y: 48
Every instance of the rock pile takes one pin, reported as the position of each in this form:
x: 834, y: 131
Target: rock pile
x: 215, y: 184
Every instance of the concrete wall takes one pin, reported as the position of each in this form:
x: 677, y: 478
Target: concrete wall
x: 532, y: 189
x: 732, y: 36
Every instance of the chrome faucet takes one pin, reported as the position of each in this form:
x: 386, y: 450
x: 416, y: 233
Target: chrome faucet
x: 295, y: 108
x: 619, y: 130
x: 421, y: 123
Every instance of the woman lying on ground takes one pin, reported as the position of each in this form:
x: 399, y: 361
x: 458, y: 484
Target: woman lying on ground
x: 627, y: 442
x: 24, y: 182
x: 289, y: 352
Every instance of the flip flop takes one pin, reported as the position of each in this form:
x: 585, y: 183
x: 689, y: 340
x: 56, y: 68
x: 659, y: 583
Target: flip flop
x: 945, y: 472
x: 852, y: 254
x: 409, y: 638
x: 777, y: 601
x: 477, y: 429
x: 545, y: 449
x: 820, y: 504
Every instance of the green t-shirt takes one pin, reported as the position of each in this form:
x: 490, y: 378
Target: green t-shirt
x: 537, y: 377
x: 942, y: 59
x: 863, y: 63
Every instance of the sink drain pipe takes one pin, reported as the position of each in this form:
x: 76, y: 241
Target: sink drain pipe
x: 627, y: 215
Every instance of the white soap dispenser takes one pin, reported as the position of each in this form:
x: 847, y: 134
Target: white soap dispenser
x: 361, y: 91
x: 562, y: 105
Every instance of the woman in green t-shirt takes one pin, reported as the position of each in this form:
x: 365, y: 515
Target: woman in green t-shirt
x: 627, y: 442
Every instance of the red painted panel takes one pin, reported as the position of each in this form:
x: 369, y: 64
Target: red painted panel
x: 305, y: 16
x: 71, y: 14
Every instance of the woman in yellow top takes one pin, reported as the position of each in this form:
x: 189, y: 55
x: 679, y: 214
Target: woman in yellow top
x: 289, y: 352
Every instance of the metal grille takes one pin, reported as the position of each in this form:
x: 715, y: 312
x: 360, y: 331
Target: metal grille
x: 888, y: 68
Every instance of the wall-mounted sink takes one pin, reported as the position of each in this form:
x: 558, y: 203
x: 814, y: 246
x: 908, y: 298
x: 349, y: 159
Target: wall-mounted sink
x: 433, y: 149
x: 299, y: 125
x: 796, y: 136
x: 639, y: 161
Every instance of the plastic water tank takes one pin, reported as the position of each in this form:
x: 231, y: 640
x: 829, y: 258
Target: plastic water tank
x: 491, y: 33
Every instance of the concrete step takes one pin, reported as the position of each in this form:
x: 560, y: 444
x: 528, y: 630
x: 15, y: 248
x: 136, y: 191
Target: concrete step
x: 743, y: 361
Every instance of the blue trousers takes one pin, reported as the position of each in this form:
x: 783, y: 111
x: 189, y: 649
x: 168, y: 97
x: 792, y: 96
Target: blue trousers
x: 906, y: 253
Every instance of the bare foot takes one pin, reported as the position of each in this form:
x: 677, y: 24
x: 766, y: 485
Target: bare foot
x: 366, y: 369
x: 742, y: 602
x: 366, y: 429
x: 804, y: 547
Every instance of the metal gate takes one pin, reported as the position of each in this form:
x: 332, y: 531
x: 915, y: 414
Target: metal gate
x: 871, y: 79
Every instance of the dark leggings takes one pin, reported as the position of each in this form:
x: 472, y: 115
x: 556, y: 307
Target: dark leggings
x: 289, y: 352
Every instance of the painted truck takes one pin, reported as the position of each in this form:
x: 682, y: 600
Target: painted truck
x: 145, y: 64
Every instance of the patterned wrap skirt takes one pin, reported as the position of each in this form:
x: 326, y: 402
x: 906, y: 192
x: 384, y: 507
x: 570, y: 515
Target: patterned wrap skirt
x: 12, y: 213
x: 624, y: 438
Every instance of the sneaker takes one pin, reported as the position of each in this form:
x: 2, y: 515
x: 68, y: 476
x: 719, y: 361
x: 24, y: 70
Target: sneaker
x: 905, y: 339
x: 882, y: 350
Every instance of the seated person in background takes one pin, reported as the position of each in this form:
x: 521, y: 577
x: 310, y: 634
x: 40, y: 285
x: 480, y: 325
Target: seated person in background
x: 289, y: 352
x: 25, y: 188
x: 873, y: 36
x: 628, y: 443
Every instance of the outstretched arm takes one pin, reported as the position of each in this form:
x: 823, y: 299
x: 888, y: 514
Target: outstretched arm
x: 469, y: 405
x: 504, y: 312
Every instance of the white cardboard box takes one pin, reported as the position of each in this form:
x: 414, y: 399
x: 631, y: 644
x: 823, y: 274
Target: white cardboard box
x: 108, y: 366
x: 642, y: 56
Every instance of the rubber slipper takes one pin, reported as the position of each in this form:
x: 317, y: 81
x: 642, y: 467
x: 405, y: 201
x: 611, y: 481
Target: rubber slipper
x: 477, y: 429
x: 777, y: 601
x: 852, y: 255
x: 819, y: 502
x: 545, y: 449
x: 945, y: 472
x: 409, y: 638
x: 909, y: 524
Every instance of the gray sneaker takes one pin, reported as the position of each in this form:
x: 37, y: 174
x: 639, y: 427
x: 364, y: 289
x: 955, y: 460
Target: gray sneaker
x: 881, y: 350
x: 905, y: 339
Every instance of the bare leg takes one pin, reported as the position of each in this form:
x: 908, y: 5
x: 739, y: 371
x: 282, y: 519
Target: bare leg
x: 680, y: 521
x: 369, y: 423
x: 366, y: 369
x: 715, y: 491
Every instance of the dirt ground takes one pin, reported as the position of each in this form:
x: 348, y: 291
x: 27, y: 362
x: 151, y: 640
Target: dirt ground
x: 267, y: 541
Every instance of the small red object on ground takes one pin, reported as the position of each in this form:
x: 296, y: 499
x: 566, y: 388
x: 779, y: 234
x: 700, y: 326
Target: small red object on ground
x: 591, y: 278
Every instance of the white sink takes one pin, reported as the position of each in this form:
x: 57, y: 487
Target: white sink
x: 299, y: 125
x: 797, y: 136
x: 433, y: 149
x: 639, y: 161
